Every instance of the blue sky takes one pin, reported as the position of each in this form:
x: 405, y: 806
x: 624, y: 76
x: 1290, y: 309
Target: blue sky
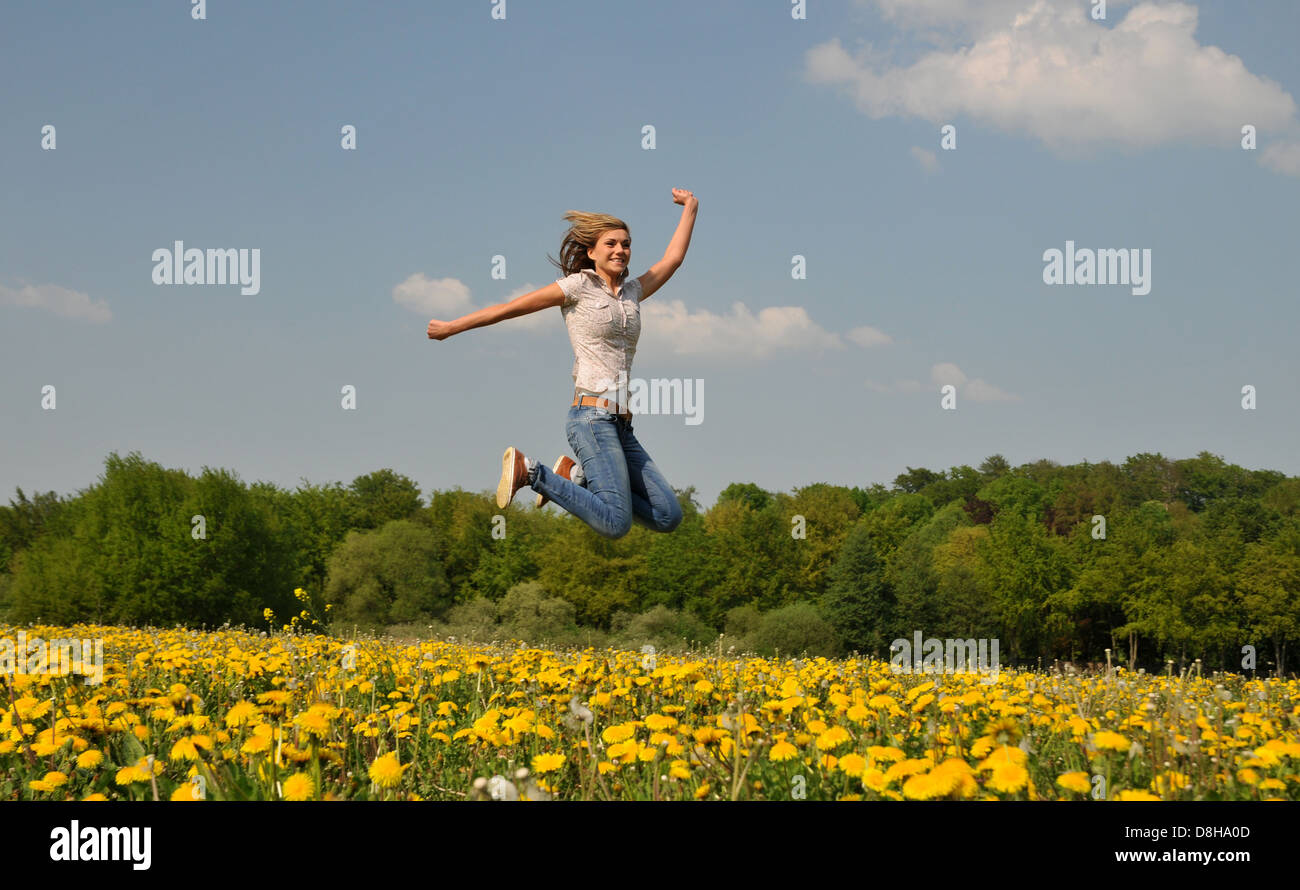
x: 816, y: 137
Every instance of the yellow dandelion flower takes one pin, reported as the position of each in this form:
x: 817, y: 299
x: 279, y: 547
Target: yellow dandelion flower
x: 546, y: 763
x: 833, y: 738
x: 853, y: 764
x: 386, y: 771
x: 679, y: 770
x: 874, y: 780
x: 783, y: 751
x: 1075, y: 781
x: 1110, y: 741
x: 299, y: 786
x: 1129, y: 794
x: 660, y: 723
x: 905, y: 768
x: 952, y: 775
x: 184, y: 750
x: 128, y: 775
x: 1003, y: 756
x: 618, y: 733
x: 707, y: 734
x: 242, y: 712
x: 921, y: 787
x: 313, y: 723
x: 702, y: 791
x: 623, y: 751
x: 257, y: 743
x: 887, y: 753
x: 89, y: 759
x: 1008, y: 778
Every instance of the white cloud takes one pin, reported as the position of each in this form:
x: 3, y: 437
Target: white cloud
x: 442, y: 298
x: 867, y: 337
x: 942, y: 374
x: 1282, y: 157
x: 59, y: 300
x: 669, y: 325
x: 1045, y: 68
x: 666, y: 325
x: 447, y: 299
x: 929, y: 163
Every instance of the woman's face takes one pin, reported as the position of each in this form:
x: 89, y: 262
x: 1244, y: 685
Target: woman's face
x: 612, y: 253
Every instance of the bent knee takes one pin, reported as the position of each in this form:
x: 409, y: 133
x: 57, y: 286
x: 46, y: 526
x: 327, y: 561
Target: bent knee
x: 674, y: 518
x: 617, y: 526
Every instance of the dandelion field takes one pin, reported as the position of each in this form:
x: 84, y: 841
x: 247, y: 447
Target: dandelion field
x: 236, y: 715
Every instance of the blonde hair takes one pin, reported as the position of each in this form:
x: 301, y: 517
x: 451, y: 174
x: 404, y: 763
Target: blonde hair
x: 584, y: 232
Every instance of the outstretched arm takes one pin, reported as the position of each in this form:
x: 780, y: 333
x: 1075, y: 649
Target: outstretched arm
x: 542, y: 298
x: 675, y: 255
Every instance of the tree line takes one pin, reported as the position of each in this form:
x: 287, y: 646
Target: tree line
x: 1155, y: 559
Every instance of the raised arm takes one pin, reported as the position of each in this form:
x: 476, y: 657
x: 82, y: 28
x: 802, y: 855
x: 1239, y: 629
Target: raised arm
x: 675, y: 255
x: 542, y: 298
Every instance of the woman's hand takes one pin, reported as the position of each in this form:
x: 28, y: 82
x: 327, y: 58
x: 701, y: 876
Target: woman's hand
x: 682, y: 196
x: 439, y: 330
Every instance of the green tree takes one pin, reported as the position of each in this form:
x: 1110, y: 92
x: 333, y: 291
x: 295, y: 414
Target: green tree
x: 914, y: 582
x: 392, y: 575
x: 1022, y: 564
x: 383, y: 496
x: 893, y: 521
x: 858, y: 602
x: 23, y: 521
x: 320, y: 517
x: 1269, y: 578
x: 828, y: 512
x: 679, y: 570
x: 747, y: 493
x: 796, y: 629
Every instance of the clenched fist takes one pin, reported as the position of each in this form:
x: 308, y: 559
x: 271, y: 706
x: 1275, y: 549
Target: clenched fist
x: 682, y: 196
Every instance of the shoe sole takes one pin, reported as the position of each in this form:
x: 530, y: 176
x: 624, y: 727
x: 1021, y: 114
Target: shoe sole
x: 559, y: 462
x: 505, y: 488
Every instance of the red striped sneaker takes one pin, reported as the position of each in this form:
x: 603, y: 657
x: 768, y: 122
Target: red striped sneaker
x: 514, y: 476
x: 563, y: 467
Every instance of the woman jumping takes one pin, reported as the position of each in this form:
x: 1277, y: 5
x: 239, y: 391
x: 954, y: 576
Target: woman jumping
x: 614, y: 482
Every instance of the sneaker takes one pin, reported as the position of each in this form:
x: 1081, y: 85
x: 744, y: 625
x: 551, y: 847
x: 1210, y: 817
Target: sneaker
x: 514, y: 476
x: 563, y: 467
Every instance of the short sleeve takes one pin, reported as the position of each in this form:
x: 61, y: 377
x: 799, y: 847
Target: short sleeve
x: 569, y: 285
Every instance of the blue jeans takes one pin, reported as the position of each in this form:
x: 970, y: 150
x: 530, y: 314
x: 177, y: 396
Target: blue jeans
x: 623, y: 484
